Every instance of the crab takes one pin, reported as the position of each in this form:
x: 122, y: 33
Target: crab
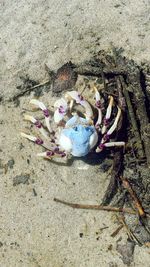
x: 77, y: 132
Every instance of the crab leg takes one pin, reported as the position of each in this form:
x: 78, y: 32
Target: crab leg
x: 61, y: 111
x: 45, y: 112
x: 80, y: 100
x: 110, y: 144
x: 38, y: 125
x: 108, y: 114
x: 112, y: 128
x: 98, y: 106
x: 37, y: 140
x: 99, y: 120
x: 52, y: 153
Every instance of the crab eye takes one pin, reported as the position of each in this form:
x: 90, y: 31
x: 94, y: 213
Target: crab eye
x: 75, y: 129
x: 88, y: 129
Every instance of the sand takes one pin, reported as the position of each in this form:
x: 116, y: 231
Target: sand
x: 34, y: 230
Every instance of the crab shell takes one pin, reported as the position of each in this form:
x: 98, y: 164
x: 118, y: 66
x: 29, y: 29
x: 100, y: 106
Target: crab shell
x: 78, y: 137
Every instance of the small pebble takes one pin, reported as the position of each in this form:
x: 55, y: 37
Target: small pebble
x: 10, y: 163
x: 21, y: 179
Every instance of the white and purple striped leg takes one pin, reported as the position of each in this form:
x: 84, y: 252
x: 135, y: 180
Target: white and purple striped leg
x: 99, y: 107
x: 107, y: 116
x: 53, y: 150
x: 52, y: 153
x: 61, y: 110
x: 110, y: 144
x: 37, y: 124
x: 106, y: 137
x: 45, y: 112
x: 39, y: 141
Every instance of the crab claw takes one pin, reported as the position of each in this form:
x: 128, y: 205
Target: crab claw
x: 61, y: 111
x: 80, y: 100
x: 76, y: 96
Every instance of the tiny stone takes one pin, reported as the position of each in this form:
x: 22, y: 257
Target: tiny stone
x: 126, y: 251
x: 117, y: 5
x: 1, y: 164
x: 34, y: 192
x: 21, y: 179
x: 81, y: 235
x: 110, y: 247
x: 10, y: 163
x: 21, y: 146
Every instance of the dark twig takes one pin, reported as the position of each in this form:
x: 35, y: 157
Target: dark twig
x: 132, y: 117
x: 30, y: 89
x: 137, y: 203
x: 95, y: 207
x: 97, y: 71
x: 141, y: 111
x: 116, y: 171
x: 117, y: 168
x: 117, y: 231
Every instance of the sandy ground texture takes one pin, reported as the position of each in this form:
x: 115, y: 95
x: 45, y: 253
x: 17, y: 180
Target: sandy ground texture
x: 34, y: 230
